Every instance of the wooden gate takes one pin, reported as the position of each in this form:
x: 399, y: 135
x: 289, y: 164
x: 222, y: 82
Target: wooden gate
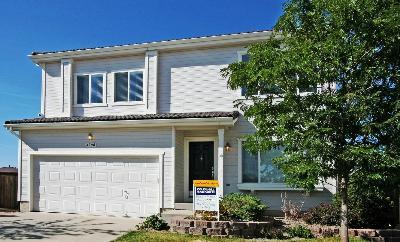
x: 8, y: 190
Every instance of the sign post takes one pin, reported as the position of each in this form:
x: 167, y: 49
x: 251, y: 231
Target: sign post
x: 205, y: 197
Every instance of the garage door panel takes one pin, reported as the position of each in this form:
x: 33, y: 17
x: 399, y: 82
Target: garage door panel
x: 85, y: 176
x: 69, y: 191
x: 93, y: 185
x: 69, y: 176
x: 84, y: 206
x: 84, y: 191
x: 100, y: 207
x: 101, y: 176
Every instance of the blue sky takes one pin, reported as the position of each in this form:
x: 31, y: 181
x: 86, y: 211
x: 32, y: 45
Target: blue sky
x: 36, y: 25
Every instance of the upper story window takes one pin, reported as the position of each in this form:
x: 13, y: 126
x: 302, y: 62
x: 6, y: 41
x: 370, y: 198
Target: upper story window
x: 244, y: 57
x: 89, y: 89
x: 128, y: 86
x: 258, y: 168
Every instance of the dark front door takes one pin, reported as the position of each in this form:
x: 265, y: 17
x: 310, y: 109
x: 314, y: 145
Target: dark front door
x: 201, y: 161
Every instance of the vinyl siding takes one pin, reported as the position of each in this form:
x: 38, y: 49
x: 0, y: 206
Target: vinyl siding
x: 53, y: 100
x: 271, y: 198
x: 128, y: 138
x: 109, y: 66
x: 191, y: 81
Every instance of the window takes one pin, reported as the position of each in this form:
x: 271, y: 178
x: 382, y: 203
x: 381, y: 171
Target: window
x: 243, y: 56
x: 258, y: 168
x: 89, y: 89
x: 128, y: 86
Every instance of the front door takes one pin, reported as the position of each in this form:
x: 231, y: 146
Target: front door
x: 201, y: 162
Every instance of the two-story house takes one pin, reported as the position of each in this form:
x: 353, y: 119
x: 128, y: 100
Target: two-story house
x: 125, y: 129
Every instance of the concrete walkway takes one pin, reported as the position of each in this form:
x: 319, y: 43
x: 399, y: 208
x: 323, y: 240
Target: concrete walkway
x: 62, y: 227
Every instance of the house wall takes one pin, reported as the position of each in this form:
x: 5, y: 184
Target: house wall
x: 180, y: 81
x: 191, y: 81
x: 117, y: 138
x: 271, y: 198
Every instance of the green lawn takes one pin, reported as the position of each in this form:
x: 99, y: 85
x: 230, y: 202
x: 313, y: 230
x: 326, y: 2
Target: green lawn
x: 170, y: 236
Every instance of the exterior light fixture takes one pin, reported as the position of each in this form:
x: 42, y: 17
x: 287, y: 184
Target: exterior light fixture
x: 90, y: 137
x: 228, y: 147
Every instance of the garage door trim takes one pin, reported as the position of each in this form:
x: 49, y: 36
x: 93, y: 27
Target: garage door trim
x: 114, y: 152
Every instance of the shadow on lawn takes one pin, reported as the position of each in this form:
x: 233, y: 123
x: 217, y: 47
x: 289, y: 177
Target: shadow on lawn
x: 22, y: 229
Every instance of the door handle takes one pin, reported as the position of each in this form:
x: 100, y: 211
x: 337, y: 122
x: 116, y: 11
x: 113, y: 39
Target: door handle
x: 126, y: 194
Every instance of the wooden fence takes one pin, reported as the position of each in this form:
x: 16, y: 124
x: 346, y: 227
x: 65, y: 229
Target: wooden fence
x: 8, y: 190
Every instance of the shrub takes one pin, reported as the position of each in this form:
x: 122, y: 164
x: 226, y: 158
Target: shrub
x: 153, y: 222
x: 300, y: 232
x: 241, y: 207
x: 324, y: 214
x: 275, y: 233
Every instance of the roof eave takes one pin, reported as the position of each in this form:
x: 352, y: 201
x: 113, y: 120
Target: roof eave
x: 242, y: 38
x: 218, y: 121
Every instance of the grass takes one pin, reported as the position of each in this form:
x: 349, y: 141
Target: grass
x: 170, y: 236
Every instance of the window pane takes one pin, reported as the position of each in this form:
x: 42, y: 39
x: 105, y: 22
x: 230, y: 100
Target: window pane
x: 249, y: 166
x: 268, y: 171
x: 308, y: 89
x: 243, y: 91
x: 245, y: 58
x: 121, y: 87
x: 82, y: 85
x: 97, y: 89
x: 136, y: 86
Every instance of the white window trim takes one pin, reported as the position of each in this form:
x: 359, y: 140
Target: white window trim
x: 129, y: 103
x: 240, y: 54
x: 104, y: 103
x: 263, y: 186
x: 259, y: 185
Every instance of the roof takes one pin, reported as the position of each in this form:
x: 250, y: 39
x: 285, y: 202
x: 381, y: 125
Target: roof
x: 242, y: 37
x: 193, y: 115
x: 160, y: 41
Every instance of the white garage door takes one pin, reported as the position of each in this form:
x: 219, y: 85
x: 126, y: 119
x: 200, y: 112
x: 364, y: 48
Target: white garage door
x: 104, y: 186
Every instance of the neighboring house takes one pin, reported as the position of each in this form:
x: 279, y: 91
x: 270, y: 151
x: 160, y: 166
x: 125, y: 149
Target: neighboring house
x: 125, y: 129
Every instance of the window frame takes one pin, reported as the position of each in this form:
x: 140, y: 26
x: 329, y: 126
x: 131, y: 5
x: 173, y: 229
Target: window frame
x: 263, y: 186
x: 90, y: 104
x: 256, y: 185
x: 129, y: 103
x: 240, y: 55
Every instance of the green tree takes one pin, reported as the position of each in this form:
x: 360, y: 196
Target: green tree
x: 346, y: 54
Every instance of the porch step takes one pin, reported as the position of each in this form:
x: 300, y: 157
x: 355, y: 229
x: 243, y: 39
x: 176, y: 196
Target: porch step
x: 184, y: 206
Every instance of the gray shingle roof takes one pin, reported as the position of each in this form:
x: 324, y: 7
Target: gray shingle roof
x: 233, y: 114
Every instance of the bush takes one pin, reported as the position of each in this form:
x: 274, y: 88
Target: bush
x: 153, y: 222
x: 324, y: 214
x: 300, y: 232
x: 241, y: 207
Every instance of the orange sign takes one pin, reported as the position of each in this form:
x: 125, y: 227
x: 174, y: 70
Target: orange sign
x: 205, y: 183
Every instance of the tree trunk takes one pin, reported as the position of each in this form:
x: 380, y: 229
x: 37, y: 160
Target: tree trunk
x: 343, y: 216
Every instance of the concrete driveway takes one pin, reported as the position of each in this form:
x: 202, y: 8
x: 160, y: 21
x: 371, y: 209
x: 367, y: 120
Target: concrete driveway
x: 62, y: 227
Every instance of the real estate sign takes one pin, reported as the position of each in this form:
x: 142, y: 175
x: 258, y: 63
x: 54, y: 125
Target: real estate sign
x: 205, y: 197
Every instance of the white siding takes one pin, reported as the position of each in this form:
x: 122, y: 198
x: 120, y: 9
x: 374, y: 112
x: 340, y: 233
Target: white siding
x: 271, y: 198
x: 53, y: 100
x: 109, y: 66
x: 130, y: 138
x: 191, y: 81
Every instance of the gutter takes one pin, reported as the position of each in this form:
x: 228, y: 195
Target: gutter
x: 220, y: 121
